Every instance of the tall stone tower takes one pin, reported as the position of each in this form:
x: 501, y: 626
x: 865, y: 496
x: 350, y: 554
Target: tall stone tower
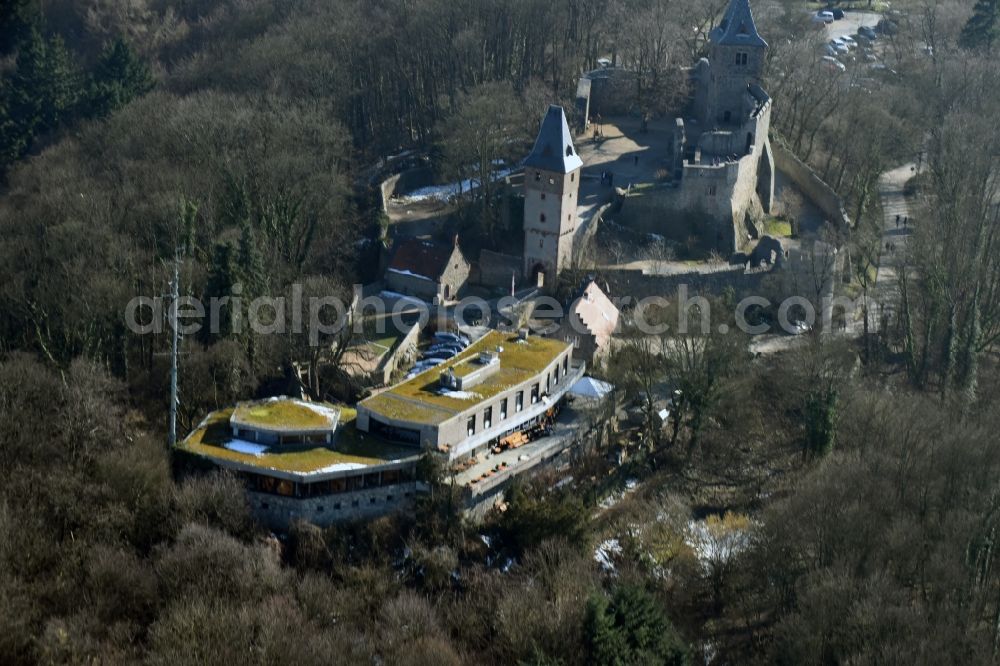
x: 551, y: 184
x: 736, y: 55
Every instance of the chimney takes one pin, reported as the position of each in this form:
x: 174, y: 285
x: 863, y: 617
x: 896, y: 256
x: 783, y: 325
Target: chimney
x: 456, y: 240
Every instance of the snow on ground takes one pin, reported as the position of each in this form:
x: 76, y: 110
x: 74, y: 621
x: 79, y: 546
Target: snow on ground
x: 449, y: 190
x: 614, y: 498
x: 243, y: 446
x: 410, y: 273
x: 401, y: 297
x: 458, y: 395
x: 717, y: 545
x: 605, y: 553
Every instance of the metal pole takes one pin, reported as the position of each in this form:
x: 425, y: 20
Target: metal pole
x: 174, y: 295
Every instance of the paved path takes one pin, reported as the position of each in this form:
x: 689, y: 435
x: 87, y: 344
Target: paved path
x: 894, y: 236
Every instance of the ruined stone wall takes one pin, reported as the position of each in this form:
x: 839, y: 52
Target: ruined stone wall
x: 404, y: 181
x: 495, y: 269
x: 821, y: 194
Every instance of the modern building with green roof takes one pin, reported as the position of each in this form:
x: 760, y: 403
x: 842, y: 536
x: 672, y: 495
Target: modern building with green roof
x: 305, y: 460
x: 502, y: 383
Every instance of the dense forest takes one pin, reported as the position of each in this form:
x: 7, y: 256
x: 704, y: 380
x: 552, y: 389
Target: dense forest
x: 851, y: 488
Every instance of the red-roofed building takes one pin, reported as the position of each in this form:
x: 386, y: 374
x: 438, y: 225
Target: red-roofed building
x: 429, y: 271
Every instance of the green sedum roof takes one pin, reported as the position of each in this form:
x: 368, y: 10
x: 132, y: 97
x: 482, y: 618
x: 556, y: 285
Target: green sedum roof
x: 351, y: 448
x: 286, y: 415
x: 419, y: 400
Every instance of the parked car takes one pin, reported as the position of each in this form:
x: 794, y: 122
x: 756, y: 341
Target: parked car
x: 837, y: 13
x: 847, y: 39
x: 450, y: 348
x: 868, y: 31
x: 824, y: 16
x: 438, y: 355
x: 839, y: 47
x: 829, y: 50
x: 452, y: 337
x: 833, y: 64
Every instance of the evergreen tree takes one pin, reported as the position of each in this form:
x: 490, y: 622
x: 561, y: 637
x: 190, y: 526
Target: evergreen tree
x: 118, y: 78
x: 223, y: 274
x: 631, y: 628
x: 983, y: 28
x: 17, y: 17
x: 250, y: 263
x: 821, y: 420
x: 41, y: 92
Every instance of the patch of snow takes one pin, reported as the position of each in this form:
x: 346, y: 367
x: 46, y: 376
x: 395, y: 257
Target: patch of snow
x: 410, y: 273
x: 458, y: 395
x: 448, y: 191
x: 615, y: 497
x: 711, y: 547
x: 338, y: 467
x: 401, y: 297
x: 243, y: 446
x: 605, y: 552
x: 322, y: 410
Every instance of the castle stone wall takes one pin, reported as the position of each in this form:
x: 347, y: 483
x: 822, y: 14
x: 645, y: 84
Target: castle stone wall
x: 821, y: 194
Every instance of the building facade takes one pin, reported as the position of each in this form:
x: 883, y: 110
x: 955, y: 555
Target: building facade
x: 723, y: 165
x: 304, y: 461
x: 429, y: 271
x: 551, y: 188
x: 589, y: 324
x: 502, y: 383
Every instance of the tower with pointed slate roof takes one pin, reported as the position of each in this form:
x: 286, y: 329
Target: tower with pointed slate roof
x: 736, y: 54
x: 551, y: 185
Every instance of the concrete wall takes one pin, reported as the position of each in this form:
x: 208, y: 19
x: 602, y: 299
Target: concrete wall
x: 404, y: 349
x: 279, y: 512
x: 821, y: 194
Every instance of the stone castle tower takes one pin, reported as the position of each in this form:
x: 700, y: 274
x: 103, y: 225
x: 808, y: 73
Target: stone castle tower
x: 736, y: 54
x: 551, y: 185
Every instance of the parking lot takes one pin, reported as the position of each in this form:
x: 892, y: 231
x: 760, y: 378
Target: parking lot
x: 850, y: 23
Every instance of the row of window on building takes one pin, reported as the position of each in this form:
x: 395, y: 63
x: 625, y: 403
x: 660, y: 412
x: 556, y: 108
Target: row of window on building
x: 487, y: 421
x: 353, y: 504
x: 380, y: 479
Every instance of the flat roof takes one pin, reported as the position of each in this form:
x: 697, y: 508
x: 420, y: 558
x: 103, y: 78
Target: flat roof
x: 286, y: 415
x: 421, y: 399
x: 351, y: 448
